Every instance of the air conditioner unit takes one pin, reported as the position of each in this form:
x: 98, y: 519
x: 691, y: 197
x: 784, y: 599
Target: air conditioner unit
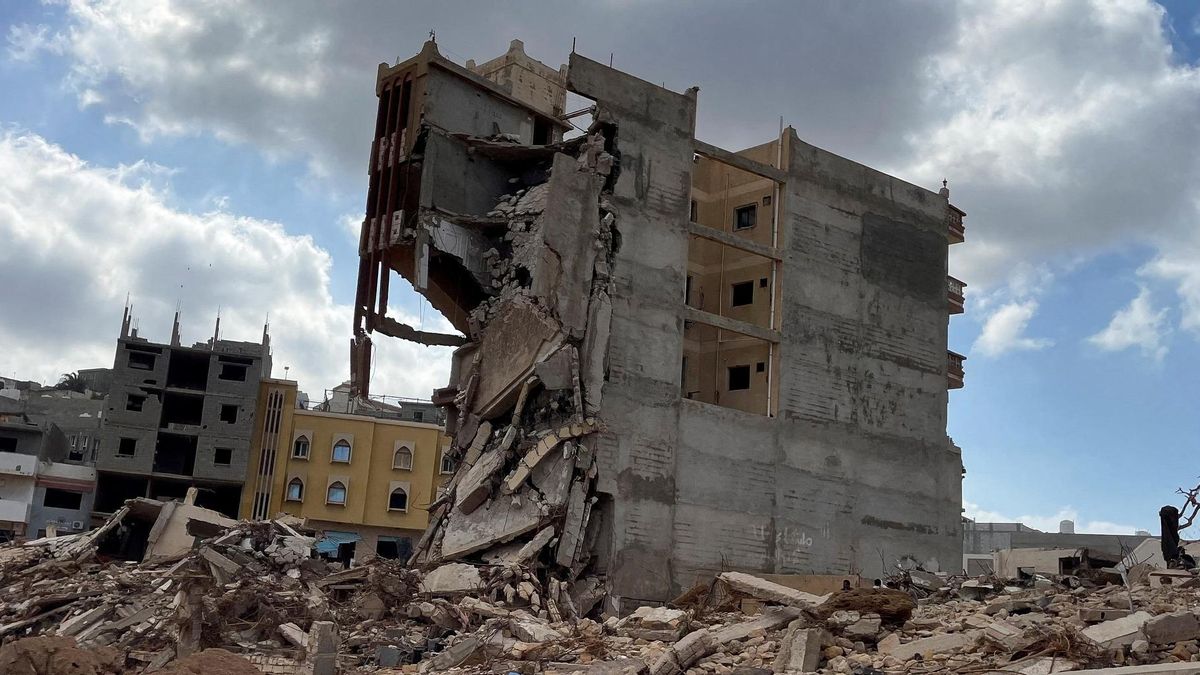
x: 77, y: 525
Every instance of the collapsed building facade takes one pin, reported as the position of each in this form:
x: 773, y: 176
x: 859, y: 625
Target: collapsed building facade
x: 674, y: 359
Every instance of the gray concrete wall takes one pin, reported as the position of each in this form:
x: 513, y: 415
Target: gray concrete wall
x: 41, y: 515
x: 856, y: 471
x: 211, y: 433
x: 989, y: 537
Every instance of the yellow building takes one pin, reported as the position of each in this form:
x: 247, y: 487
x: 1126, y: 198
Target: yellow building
x: 366, y: 482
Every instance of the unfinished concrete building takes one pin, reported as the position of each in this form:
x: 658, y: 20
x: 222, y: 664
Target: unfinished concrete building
x: 179, y: 417
x: 675, y: 359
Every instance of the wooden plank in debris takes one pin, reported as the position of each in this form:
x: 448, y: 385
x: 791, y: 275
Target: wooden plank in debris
x: 352, y: 574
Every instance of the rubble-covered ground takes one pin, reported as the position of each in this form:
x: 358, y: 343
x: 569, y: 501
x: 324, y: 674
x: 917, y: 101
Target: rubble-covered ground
x: 252, y: 598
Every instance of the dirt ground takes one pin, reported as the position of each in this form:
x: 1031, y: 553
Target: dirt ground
x: 51, y: 655
x: 211, y: 662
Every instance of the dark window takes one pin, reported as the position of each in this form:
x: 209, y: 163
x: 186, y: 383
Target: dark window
x: 739, y: 378
x: 742, y: 294
x: 418, y: 416
x: 745, y: 217
x: 767, y: 200
x: 447, y: 464
x: 222, y: 456
x: 141, y: 361
x: 300, y: 448
x: 398, y: 501
x: 8, y: 444
x: 760, y: 367
x: 134, y: 402
x: 762, y: 283
x: 233, y: 371
x: 229, y: 413
x: 62, y: 499
x: 394, y: 547
x: 694, y: 211
x: 687, y: 290
x: 127, y: 447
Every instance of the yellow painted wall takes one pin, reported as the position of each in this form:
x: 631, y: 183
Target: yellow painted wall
x: 368, y: 476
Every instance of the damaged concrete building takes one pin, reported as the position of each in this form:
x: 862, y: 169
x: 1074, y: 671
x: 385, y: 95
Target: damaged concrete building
x: 674, y: 359
x: 179, y: 417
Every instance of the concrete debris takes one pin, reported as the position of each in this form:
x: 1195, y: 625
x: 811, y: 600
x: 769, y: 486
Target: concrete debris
x: 234, y: 601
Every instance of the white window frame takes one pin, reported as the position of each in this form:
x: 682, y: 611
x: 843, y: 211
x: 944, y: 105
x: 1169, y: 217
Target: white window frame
x: 307, y: 447
x: 345, y: 493
x: 288, y: 490
x: 349, y: 451
x: 396, y: 454
x: 407, y: 498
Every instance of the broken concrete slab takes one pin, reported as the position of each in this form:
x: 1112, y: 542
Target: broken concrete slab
x: 800, y: 650
x: 1117, y: 632
x: 1096, y: 615
x: 937, y: 644
x: 533, y: 631
x: 768, y: 591
x: 1174, y: 627
x: 544, y: 445
x: 476, y: 484
x: 451, y: 579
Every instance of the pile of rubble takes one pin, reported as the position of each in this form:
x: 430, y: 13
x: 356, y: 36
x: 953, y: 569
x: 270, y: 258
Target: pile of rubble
x: 172, y: 588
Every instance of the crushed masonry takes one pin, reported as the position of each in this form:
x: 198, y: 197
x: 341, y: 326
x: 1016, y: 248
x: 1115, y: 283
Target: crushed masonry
x: 252, y: 597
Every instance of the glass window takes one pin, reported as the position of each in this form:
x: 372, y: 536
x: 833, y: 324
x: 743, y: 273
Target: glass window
x: 403, y: 459
x: 447, y: 463
x: 398, y: 501
x: 336, y: 493
x: 745, y: 217
x: 300, y: 448
x: 341, y: 451
x: 295, y: 491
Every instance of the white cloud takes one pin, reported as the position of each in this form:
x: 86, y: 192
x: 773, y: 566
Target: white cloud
x: 26, y: 42
x: 351, y: 224
x: 1138, y: 324
x: 78, y: 238
x: 1004, y: 330
x: 1047, y: 523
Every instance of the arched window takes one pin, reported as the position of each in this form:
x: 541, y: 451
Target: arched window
x: 295, y: 491
x: 341, y: 451
x: 336, y: 493
x: 300, y: 448
x: 398, y: 501
x: 403, y: 458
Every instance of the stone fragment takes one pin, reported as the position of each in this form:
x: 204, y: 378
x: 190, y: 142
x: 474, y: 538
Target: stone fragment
x: 937, y: 644
x: 1117, y: 632
x: 451, y: 579
x: 800, y: 650
x: 865, y: 629
x: 1174, y: 627
x: 1007, y: 635
x: 533, y: 631
x: 1096, y: 615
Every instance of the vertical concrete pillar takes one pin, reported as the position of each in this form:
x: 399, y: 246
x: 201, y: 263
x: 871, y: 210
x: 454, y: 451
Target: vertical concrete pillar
x: 322, y: 648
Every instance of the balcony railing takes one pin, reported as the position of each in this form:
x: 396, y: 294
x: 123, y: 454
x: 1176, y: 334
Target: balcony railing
x: 954, y: 370
x: 957, y: 231
x: 954, y: 290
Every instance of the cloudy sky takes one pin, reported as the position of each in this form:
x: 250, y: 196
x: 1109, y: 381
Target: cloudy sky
x: 213, y: 155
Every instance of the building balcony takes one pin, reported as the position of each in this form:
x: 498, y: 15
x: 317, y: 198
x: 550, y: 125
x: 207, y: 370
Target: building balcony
x: 957, y: 231
x: 17, y: 464
x: 954, y: 370
x: 954, y: 289
x: 13, y: 511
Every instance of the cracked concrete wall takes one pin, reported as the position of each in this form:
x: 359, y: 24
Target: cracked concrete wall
x: 856, y: 471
